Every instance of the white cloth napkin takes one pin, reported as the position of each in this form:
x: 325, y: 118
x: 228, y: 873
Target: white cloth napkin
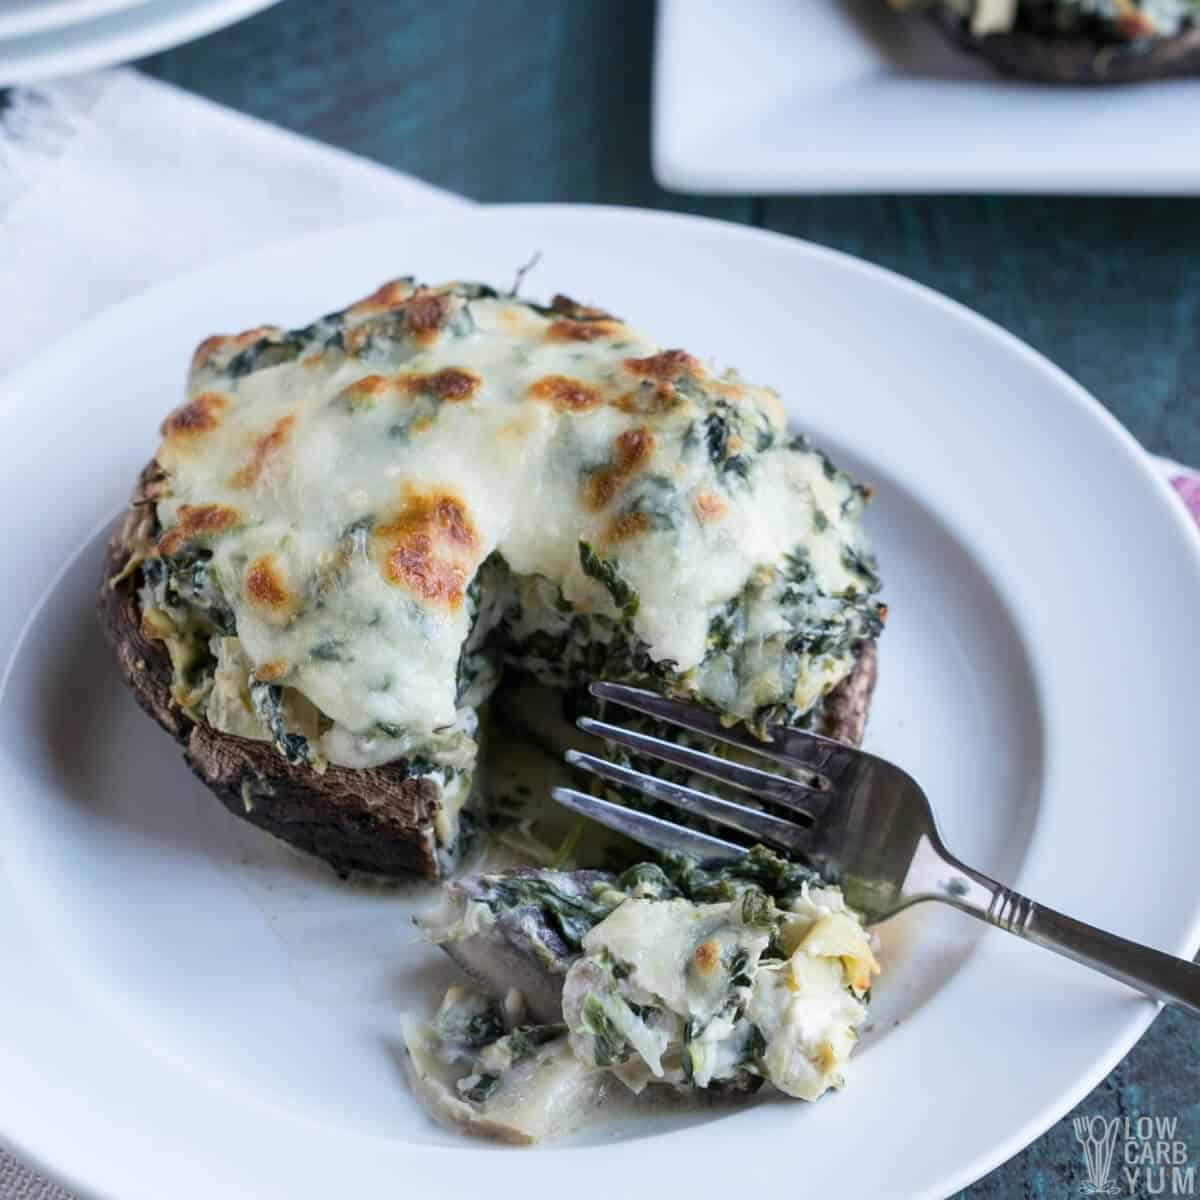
x: 109, y: 185
x: 113, y: 182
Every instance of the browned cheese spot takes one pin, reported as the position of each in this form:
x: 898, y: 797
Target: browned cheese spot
x: 656, y: 391
x: 266, y: 589
x: 664, y: 366
x: 363, y: 393
x: 567, y: 307
x: 647, y: 399
x: 424, y: 315
x: 211, y: 347
x: 429, y: 547
x: 201, y: 414
x: 265, y: 449
x: 565, y: 394
x: 451, y: 384
x: 708, y: 507
x: 272, y: 671
x: 581, y: 331
x: 384, y: 298
x: 627, y: 526
x: 707, y: 957
x: 197, y: 521
x: 632, y: 449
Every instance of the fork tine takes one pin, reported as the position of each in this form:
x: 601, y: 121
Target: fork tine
x: 759, y: 825
x: 796, y: 747
x: 653, y: 832
x: 749, y: 779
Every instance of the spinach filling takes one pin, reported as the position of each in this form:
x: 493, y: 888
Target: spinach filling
x: 565, y: 914
x: 611, y: 1045
x: 506, y: 1051
x: 728, y: 433
x: 567, y: 904
x: 268, y: 703
x: 601, y: 569
x: 183, y: 604
x: 474, y: 1034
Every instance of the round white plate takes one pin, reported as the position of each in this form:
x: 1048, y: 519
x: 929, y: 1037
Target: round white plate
x: 190, y: 1010
x: 20, y: 18
x: 103, y: 32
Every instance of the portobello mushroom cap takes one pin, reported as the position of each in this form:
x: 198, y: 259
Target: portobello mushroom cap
x: 377, y: 821
x: 1076, y: 57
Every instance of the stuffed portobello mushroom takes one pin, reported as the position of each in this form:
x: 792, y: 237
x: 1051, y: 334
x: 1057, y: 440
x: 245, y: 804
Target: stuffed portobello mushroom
x: 351, y: 530
x: 1074, y: 41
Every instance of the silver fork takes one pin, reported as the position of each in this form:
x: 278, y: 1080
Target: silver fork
x: 856, y: 818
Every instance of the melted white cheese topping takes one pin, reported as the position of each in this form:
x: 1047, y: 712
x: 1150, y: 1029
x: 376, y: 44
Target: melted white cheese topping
x: 357, y: 493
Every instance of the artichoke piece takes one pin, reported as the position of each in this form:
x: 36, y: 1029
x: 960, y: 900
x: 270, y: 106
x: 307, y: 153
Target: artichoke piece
x: 471, y: 1068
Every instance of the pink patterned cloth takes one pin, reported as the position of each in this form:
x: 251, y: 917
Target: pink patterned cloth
x: 1188, y: 487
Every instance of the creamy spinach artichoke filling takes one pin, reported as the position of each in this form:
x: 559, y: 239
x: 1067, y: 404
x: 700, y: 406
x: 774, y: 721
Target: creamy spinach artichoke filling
x: 714, y: 981
x: 364, y: 521
x: 1119, y: 20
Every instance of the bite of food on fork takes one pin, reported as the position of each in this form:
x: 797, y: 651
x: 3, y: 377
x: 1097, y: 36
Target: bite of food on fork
x: 861, y: 821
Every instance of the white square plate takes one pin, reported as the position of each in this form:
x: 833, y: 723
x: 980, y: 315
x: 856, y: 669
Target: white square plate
x: 847, y: 96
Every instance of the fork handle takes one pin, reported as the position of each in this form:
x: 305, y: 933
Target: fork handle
x: 1162, y: 976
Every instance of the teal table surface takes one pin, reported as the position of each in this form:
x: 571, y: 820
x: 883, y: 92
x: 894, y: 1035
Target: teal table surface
x: 507, y: 100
